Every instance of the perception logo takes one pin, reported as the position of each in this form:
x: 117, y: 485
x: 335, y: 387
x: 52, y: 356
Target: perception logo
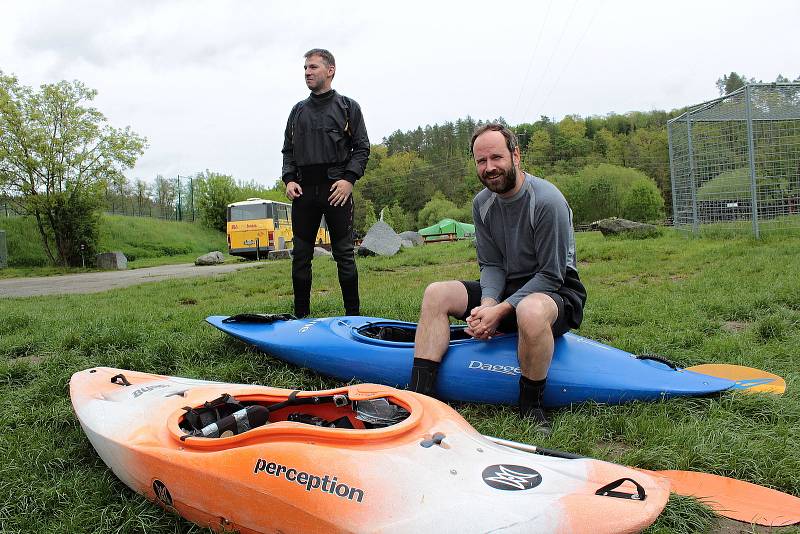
x: 511, y: 477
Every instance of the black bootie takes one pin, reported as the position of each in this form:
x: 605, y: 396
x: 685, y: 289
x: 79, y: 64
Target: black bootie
x: 423, y: 376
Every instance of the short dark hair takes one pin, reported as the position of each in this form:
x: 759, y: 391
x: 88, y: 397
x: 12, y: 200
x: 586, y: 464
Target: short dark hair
x: 511, y: 139
x: 326, y: 56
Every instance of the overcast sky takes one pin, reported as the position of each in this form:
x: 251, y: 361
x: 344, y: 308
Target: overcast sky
x: 210, y: 83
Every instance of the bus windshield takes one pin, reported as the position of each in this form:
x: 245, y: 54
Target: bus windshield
x: 249, y: 212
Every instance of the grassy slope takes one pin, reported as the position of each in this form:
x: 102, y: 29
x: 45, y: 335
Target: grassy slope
x: 143, y: 240
x: 672, y: 296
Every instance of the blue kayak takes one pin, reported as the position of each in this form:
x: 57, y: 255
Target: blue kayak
x: 371, y: 349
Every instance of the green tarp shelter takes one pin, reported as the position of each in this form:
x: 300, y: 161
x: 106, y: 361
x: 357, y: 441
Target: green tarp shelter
x: 444, y: 227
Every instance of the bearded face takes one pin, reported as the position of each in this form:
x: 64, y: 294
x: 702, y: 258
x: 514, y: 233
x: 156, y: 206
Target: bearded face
x: 499, y: 180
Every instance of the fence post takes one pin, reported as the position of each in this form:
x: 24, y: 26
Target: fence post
x: 672, y: 177
x: 178, y: 214
x: 751, y: 156
x: 3, y: 250
x: 693, y: 189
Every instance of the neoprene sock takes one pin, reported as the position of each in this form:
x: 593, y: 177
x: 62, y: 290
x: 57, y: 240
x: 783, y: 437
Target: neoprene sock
x: 423, y: 376
x: 531, y: 393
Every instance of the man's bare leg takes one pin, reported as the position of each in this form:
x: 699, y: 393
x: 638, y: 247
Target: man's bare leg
x: 536, y: 314
x: 441, y: 300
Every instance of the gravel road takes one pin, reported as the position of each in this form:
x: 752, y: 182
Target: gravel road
x: 103, y: 281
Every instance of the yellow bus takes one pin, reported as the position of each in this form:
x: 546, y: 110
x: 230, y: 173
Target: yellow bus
x: 256, y: 226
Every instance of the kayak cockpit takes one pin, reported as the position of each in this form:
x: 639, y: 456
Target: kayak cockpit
x: 399, y: 333
x: 227, y: 419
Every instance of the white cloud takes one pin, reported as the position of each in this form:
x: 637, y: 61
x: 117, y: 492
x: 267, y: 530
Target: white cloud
x: 211, y: 83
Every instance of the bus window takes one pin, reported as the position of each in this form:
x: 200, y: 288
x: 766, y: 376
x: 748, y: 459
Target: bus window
x: 282, y: 212
x: 249, y: 212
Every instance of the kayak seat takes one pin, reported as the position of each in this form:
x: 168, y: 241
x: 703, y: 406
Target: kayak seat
x: 403, y: 332
x: 228, y: 416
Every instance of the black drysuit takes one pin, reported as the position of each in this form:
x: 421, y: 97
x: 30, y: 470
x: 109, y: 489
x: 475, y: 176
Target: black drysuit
x: 325, y: 141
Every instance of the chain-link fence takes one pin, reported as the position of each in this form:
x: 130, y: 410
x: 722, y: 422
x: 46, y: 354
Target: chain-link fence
x: 735, y: 161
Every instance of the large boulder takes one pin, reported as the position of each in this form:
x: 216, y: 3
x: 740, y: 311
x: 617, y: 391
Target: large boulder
x: 381, y: 239
x: 114, y: 261
x: 283, y: 254
x: 212, y: 258
x: 415, y: 238
x: 624, y: 227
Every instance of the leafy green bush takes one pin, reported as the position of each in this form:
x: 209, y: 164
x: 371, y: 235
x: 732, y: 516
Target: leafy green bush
x: 605, y: 190
x: 396, y: 217
x: 439, y: 208
x: 216, y: 192
x: 643, y: 202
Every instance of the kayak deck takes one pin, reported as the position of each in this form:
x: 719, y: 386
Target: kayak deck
x: 372, y: 349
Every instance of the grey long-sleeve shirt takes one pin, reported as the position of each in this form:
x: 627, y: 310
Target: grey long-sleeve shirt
x: 527, y: 235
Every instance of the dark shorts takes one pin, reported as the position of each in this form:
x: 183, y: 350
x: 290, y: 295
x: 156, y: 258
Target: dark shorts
x: 569, y: 300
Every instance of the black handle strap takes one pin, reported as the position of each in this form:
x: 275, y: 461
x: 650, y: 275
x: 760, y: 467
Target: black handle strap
x: 120, y: 380
x: 656, y: 358
x: 264, y: 318
x: 607, y: 490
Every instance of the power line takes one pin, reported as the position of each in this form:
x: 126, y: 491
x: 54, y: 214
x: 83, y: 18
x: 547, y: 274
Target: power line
x: 550, y: 60
x: 530, y: 62
x: 598, y: 5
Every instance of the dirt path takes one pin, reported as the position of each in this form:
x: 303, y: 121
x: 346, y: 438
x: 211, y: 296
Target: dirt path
x: 103, y: 281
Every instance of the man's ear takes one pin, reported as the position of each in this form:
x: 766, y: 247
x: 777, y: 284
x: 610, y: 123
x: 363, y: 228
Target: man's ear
x: 515, y: 157
x: 332, y: 70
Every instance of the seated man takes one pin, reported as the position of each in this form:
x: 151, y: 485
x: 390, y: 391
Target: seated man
x: 529, y: 280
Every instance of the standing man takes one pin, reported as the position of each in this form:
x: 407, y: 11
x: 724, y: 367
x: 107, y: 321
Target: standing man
x: 325, y: 150
x: 529, y: 280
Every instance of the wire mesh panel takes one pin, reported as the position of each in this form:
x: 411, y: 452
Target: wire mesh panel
x: 735, y: 161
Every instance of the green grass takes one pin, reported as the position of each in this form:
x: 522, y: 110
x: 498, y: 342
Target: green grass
x: 144, y: 241
x: 674, y: 296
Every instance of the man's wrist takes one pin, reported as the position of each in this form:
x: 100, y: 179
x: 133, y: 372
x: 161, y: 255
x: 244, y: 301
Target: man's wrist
x: 505, y: 307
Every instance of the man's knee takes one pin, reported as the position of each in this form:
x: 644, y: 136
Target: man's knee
x: 441, y: 296
x: 536, y: 313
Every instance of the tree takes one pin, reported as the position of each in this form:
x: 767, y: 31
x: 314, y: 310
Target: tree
x: 727, y: 84
x: 56, y: 156
x: 215, y: 192
x: 165, y: 192
x: 539, y: 151
x: 396, y: 217
x: 436, y: 209
x: 142, y: 195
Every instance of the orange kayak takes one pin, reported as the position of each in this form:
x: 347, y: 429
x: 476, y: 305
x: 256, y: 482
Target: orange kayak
x: 362, y: 458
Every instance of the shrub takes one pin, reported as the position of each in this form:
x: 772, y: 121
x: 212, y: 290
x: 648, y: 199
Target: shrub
x: 643, y: 202
x: 605, y: 190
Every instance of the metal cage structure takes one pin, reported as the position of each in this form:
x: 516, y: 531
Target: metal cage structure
x: 735, y: 161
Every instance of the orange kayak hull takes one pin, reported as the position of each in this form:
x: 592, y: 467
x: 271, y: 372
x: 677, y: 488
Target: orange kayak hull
x: 431, y: 470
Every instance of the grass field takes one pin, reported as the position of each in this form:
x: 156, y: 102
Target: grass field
x: 691, y: 300
x: 144, y: 241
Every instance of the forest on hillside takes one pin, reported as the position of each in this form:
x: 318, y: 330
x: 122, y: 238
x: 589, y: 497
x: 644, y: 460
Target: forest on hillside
x: 609, y: 165
x: 420, y: 175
